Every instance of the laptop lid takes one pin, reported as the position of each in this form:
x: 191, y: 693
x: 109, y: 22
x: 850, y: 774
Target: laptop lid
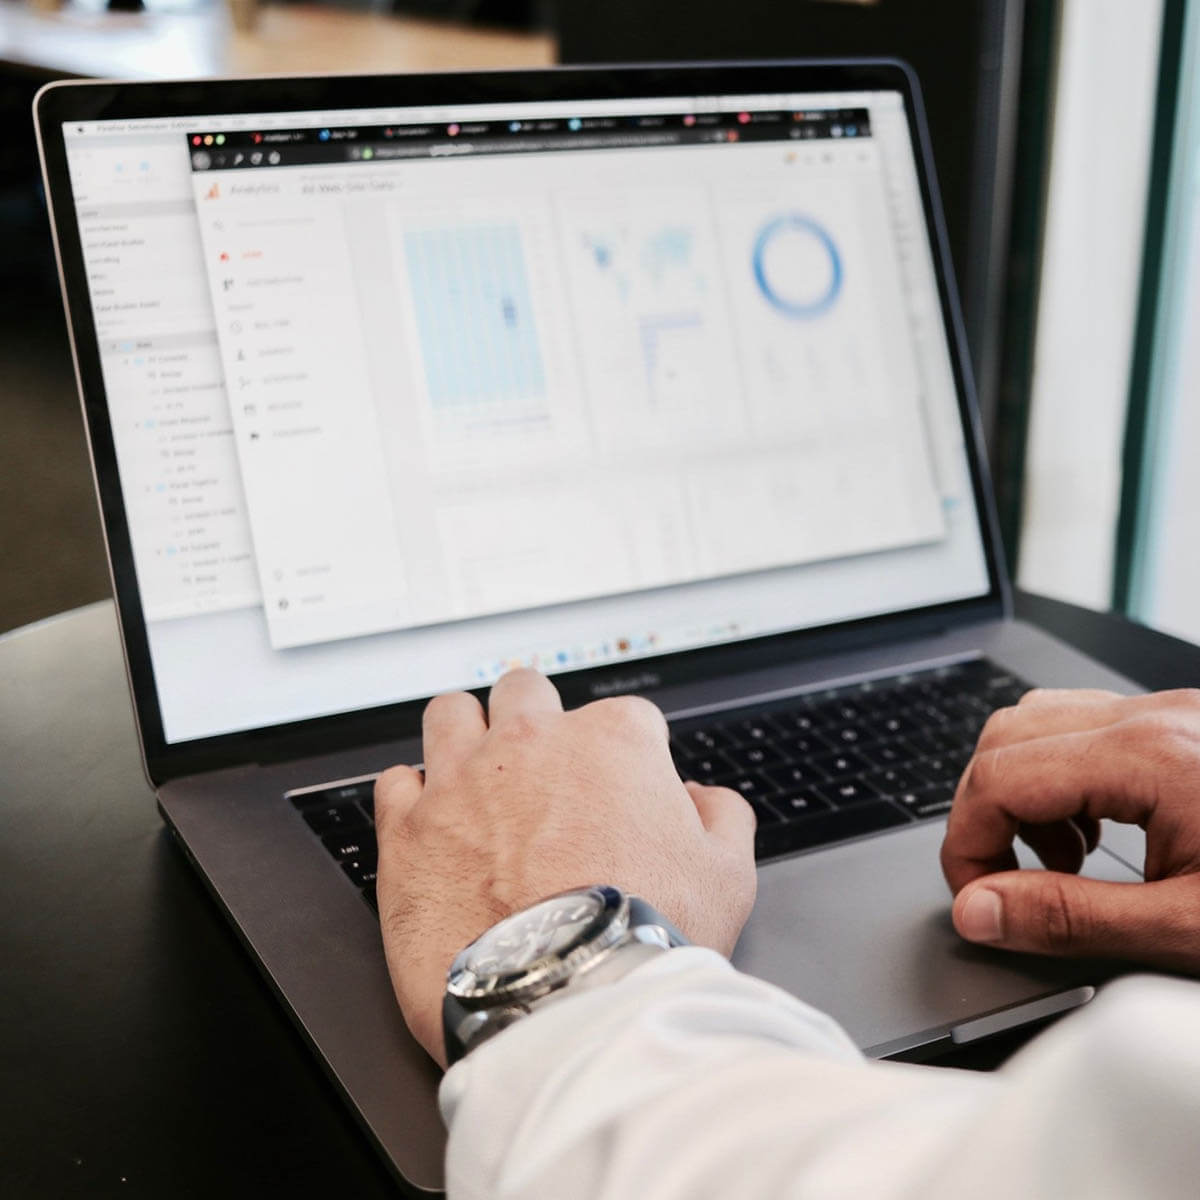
x: 632, y: 375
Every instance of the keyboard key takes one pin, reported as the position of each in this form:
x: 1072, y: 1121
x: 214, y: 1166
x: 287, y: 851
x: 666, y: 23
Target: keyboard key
x: 939, y: 768
x: 338, y: 816
x: 750, y: 784
x: 929, y: 714
x: 892, y: 725
x: 847, y: 733
x: 795, y: 805
x: 935, y: 743
x: 928, y: 802
x: 751, y: 758
x: 794, y: 721
x: 350, y: 843
x: 892, y: 780
x: 804, y: 745
x: 703, y: 741
x: 968, y: 704
x: 705, y: 770
x: 888, y: 754
x: 824, y: 827
x: 362, y: 871
x: 843, y: 792
x: 328, y: 797
x: 794, y: 775
x: 971, y: 727
x: 845, y: 763
x: 764, y: 812
x: 754, y: 730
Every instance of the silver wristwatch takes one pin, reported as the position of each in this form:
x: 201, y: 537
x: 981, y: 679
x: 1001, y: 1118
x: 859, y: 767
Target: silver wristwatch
x: 571, y: 941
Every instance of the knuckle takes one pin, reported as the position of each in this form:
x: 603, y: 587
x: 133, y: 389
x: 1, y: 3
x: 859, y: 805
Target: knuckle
x: 987, y: 771
x: 523, y: 729
x: 629, y: 712
x: 1187, y: 699
x: 1034, y: 696
x: 394, y: 780
x: 1162, y: 734
x: 995, y: 728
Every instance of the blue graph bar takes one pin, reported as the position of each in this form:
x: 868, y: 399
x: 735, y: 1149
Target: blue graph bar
x: 474, y: 316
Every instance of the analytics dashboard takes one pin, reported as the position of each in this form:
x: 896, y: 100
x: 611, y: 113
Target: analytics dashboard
x: 549, y: 384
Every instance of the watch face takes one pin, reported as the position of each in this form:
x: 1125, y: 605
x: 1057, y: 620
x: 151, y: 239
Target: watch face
x: 503, y: 956
x: 551, y: 927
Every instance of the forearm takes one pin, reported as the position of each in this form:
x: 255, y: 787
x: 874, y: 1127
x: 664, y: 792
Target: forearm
x: 688, y: 1080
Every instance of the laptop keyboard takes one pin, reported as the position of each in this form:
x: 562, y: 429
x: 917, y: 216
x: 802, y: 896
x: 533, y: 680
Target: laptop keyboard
x: 817, y: 768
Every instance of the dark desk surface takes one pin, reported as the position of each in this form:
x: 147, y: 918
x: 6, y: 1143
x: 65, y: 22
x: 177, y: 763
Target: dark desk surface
x: 140, y: 1052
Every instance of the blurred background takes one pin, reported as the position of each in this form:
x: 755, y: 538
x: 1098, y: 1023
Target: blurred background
x: 1067, y: 140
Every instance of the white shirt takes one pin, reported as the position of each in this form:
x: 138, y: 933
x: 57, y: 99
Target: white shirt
x: 686, y: 1080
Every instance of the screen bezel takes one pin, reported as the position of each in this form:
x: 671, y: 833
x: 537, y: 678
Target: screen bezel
x: 62, y: 103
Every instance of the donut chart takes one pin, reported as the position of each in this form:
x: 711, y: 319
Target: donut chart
x: 791, y: 251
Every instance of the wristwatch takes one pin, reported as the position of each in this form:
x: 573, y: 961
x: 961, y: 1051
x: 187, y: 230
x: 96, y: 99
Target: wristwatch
x: 571, y: 941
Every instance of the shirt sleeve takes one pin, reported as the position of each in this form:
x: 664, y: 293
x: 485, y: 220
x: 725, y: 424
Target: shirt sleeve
x: 687, y: 1080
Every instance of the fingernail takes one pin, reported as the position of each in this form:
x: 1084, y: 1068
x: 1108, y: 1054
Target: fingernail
x: 982, y: 917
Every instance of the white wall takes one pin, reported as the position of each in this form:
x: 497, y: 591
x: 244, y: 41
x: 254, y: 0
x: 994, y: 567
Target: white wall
x: 1167, y: 579
x: 1103, y: 123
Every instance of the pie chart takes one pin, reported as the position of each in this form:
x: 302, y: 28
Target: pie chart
x: 797, y: 266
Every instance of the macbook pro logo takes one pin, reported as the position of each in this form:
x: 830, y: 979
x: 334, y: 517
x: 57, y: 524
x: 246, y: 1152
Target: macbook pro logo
x: 626, y: 683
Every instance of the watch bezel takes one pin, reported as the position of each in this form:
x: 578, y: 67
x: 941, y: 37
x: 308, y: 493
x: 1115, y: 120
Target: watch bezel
x: 605, y: 930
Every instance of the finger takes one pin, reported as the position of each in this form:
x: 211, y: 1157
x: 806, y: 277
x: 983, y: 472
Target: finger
x: 726, y: 815
x: 1055, y: 696
x: 1099, y: 773
x: 1045, y: 912
x: 1059, y: 846
x: 397, y: 791
x: 522, y: 693
x: 451, y: 728
x: 1044, y: 712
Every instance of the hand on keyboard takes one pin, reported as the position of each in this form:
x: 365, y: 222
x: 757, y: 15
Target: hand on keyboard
x: 527, y: 801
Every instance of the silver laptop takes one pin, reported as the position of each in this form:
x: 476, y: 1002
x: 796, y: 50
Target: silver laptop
x: 652, y: 379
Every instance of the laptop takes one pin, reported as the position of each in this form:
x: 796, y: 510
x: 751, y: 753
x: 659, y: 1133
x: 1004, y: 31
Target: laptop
x: 650, y: 378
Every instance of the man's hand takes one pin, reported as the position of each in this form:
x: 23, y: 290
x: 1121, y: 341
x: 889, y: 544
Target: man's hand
x: 1048, y: 770
x: 528, y: 801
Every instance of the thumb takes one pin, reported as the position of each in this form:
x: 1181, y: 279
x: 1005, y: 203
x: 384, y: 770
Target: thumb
x: 1049, y: 912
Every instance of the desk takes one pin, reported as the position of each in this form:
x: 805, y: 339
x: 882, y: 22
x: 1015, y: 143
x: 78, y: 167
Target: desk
x: 142, y: 1055
x: 84, y: 39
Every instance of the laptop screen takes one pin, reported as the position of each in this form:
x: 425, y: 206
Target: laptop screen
x: 404, y: 397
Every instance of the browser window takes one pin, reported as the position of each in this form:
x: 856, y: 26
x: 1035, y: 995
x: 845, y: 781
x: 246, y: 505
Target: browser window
x: 404, y: 398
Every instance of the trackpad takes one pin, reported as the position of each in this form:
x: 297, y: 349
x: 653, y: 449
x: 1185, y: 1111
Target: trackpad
x: 863, y: 932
